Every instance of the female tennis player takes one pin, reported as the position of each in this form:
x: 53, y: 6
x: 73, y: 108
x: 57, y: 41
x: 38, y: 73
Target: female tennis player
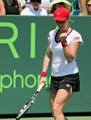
x: 62, y: 49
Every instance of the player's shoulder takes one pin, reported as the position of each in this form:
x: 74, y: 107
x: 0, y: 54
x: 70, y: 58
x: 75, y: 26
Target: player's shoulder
x: 53, y: 31
x: 51, y: 34
x: 75, y: 32
x: 76, y: 36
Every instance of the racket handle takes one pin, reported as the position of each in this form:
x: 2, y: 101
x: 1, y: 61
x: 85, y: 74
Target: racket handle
x: 40, y: 87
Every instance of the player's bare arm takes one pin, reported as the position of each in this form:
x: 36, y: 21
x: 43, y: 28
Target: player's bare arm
x: 47, y: 59
x: 70, y: 50
x: 46, y: 62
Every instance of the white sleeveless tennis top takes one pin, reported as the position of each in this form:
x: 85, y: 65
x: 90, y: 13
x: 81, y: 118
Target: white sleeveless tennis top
x: 60, y: 66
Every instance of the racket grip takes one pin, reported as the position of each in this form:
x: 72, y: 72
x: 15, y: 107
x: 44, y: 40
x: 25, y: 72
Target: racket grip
x: 40, y: 87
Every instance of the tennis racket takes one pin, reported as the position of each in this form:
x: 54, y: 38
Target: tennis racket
x: 28, y: 104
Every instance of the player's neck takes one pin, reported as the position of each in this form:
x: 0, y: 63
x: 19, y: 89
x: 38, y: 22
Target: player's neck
x: 65, y: 30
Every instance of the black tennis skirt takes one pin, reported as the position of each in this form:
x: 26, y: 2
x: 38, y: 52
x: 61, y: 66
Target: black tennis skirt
x: 65, y: 82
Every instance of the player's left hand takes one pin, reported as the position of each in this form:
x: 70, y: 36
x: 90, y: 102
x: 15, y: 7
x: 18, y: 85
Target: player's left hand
x: 63, y: 39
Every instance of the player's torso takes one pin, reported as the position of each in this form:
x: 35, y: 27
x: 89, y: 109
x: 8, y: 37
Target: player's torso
x: 60, y: 65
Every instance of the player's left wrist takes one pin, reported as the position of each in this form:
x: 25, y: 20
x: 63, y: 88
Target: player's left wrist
x: 64, y: 43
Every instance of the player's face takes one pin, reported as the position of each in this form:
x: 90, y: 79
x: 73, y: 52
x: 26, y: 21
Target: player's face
x: 63, y: 25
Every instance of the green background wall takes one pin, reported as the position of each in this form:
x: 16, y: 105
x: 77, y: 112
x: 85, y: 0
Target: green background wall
x: 20, y: 74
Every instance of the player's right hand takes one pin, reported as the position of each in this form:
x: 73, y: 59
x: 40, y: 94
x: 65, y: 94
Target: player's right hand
x: 42, y: 80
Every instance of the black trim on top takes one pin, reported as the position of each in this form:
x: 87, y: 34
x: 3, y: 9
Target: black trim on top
x: 57, y: 33
x: 56, y: 36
